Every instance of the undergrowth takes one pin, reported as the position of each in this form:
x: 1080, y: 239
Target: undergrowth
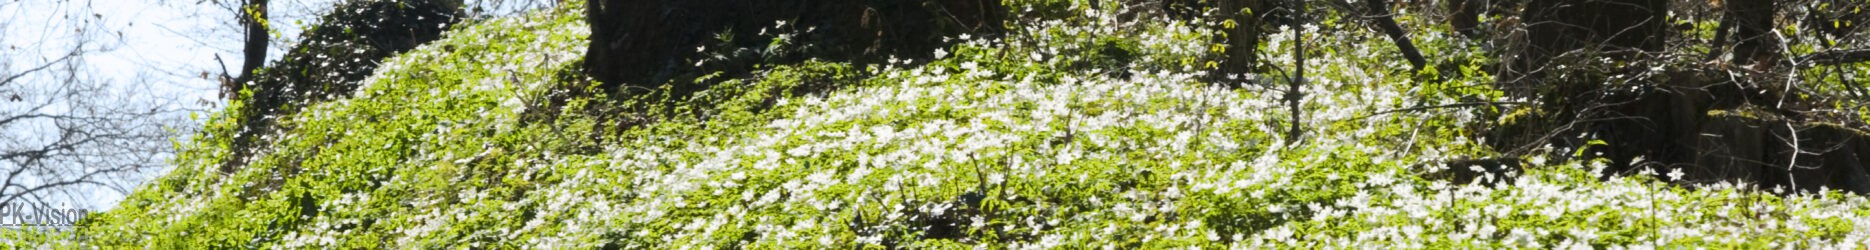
x: 1077, y: 130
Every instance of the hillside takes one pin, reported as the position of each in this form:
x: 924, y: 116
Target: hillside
x: 1079, y: 128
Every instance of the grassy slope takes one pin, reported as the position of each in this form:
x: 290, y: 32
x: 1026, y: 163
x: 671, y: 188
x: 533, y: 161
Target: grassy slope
x: 1007, y: 142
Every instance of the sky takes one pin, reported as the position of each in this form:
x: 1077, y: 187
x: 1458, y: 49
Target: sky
x: 148, y: 53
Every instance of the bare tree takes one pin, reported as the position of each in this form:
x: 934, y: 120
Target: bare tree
x: 67, y: 130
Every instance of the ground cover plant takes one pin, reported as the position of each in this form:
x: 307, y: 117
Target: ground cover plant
x: 1082, y: 127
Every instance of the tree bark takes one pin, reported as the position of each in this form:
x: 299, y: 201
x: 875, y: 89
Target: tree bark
x: 1465, y: 17
x: 1294, y: 95
x: 1753, y: 25
x: 1711, y: 123
x: 1595, y: 28
x: 1242, y: 39
x: 253, y: 17
x: 1386, y: 21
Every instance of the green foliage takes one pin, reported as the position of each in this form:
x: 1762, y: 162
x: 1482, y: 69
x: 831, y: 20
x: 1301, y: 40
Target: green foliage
x: 1049, y: 138
x: 437, y: 123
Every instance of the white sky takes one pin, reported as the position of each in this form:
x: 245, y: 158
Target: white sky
x: 141, y: 53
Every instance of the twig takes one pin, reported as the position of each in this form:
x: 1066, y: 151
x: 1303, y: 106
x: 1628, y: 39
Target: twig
x: 1422, y: 108
x: 10, y: 79
x: 1836, y: 57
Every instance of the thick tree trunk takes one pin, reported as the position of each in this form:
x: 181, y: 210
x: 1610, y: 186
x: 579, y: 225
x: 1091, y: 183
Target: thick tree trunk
x: 253, y: 18
x: 1753, y: 26
x: 1619, y: 28
x: 1464, y: 16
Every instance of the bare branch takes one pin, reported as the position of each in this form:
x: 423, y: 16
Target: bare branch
x: 15, y: 77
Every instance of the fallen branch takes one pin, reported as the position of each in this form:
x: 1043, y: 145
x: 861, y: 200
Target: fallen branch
x: 1423, y: 108
x: 1387, y: 22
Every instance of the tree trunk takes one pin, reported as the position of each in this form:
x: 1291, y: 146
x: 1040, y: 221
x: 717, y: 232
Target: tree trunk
x: 1710, y: 123
x: 1753, y: 31
x: 1387, y: 23
x: 1585, y: 29
x: 1242, y: 39
x: 254, y: 18
x: 1464, y: 16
